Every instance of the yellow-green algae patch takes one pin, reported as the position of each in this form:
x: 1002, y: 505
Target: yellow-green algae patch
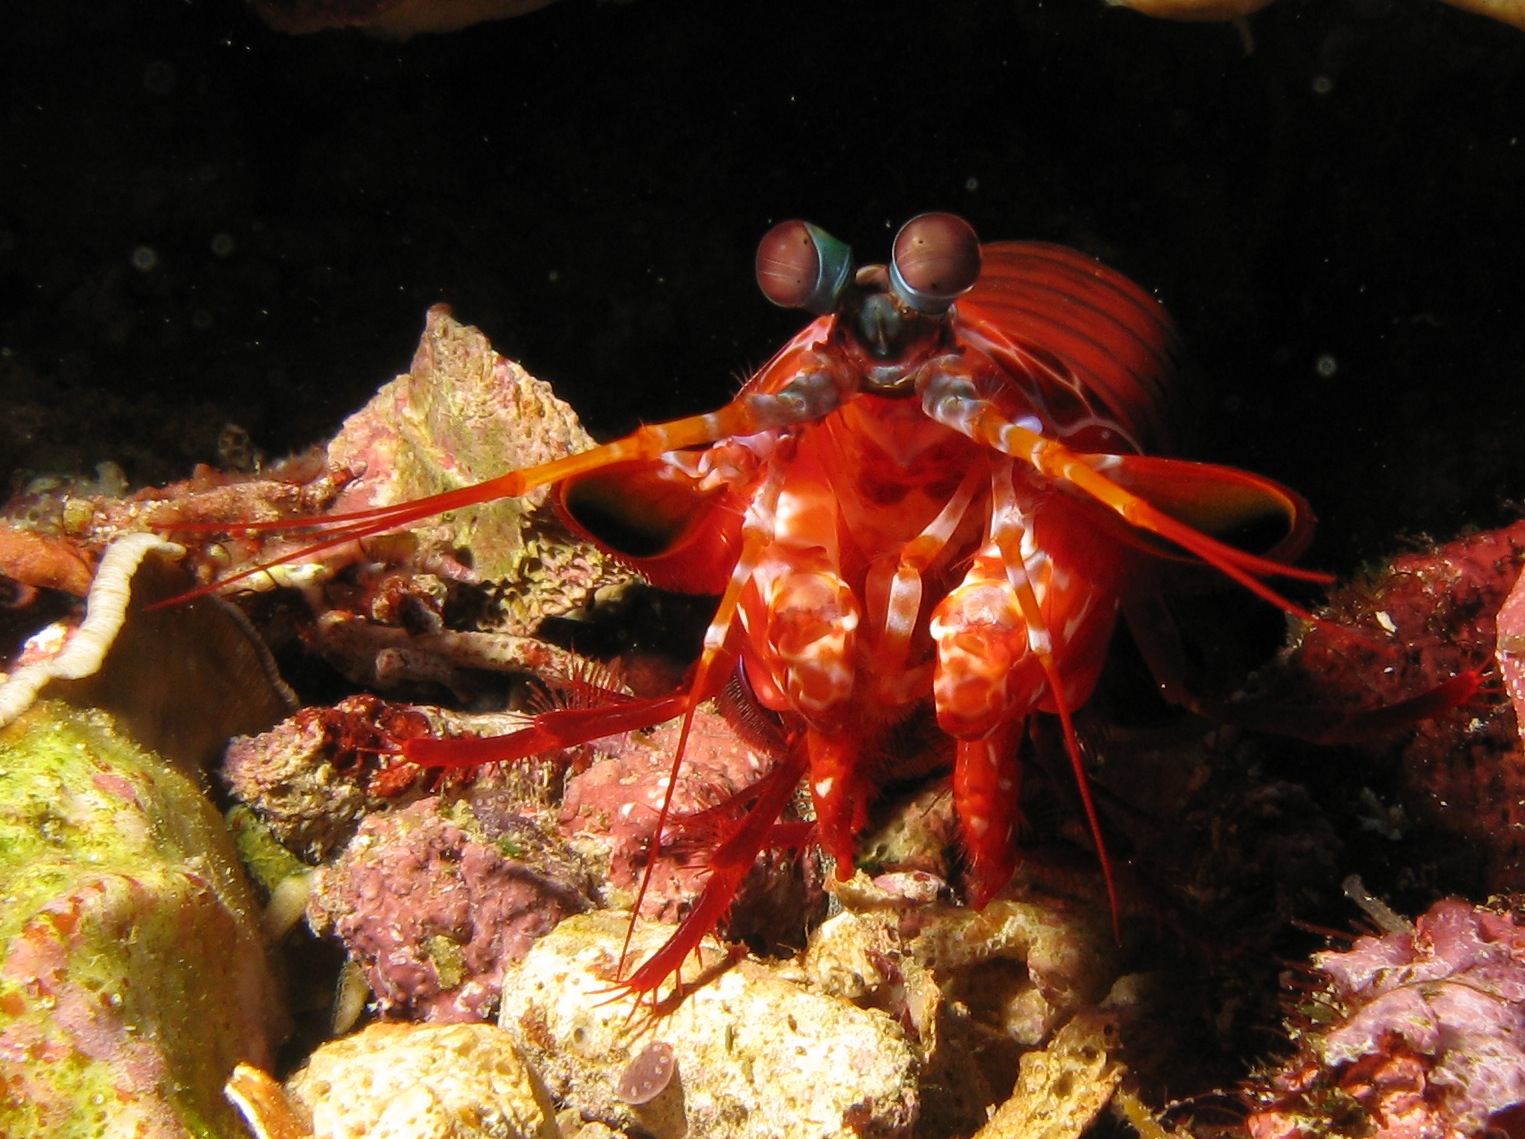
x: 132, y: 975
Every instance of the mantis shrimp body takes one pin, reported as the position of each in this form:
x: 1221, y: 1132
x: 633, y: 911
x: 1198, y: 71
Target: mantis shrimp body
x: 937, y: 493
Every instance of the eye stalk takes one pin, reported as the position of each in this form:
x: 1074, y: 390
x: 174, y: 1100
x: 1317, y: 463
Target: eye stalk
x: 800, y: 265
x: 935, y: 260
x: 888, y: 319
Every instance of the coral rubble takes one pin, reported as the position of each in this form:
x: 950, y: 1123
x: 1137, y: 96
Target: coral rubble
x: 1418, y: 1033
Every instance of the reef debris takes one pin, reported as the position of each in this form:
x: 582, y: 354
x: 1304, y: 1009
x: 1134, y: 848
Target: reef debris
x: 1416, y: 1033
x: 1063, y: 1087
x: 314, y: 776
x: 975, y: 992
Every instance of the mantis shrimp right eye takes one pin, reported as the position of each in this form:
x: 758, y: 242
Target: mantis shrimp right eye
x: 936, y: 259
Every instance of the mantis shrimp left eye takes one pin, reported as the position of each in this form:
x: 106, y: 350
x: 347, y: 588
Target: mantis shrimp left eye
x: 800, y: 265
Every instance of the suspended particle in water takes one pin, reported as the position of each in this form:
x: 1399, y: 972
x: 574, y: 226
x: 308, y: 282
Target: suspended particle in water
x: 1326, y: 366
x: 648, y: 1075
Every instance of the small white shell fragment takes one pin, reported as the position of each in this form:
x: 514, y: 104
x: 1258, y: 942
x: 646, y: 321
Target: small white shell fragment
x: 423, y: 1081
x: 648, y: 1075
x: 263, y: 1103
x: 105, y: 609
x: 757, y: 1057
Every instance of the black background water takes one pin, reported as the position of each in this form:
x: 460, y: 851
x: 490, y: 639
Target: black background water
x: 204, y: 221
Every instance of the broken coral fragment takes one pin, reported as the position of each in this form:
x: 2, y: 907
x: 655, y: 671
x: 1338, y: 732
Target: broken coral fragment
x: 421, y: 1081
x: 1062, y: 1087
x: 132, y: 972
x: 756, y: 1056
x: 978, y: 992
x: 462, y: 414
x: 1411, y: 1034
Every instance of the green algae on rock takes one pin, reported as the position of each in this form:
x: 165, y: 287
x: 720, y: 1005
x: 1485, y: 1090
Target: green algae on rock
x: 132, y: 974
x: 459, y: 415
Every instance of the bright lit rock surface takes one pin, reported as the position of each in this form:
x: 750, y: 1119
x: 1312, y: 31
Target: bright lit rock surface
x: 757, y: 1056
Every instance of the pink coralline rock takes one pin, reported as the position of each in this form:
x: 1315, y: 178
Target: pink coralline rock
x: 435, y: 899
x: 1416, y: 1034
x: 1427, y: 617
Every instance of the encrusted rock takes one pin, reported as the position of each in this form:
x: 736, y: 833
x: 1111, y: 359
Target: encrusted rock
x: 419, y: 1081
x: 756, y: 1056
x: 1425, y: 618
x: 437, y: 898
x: 317, y: 773
x: 461, y: 414
x: 132, y: 972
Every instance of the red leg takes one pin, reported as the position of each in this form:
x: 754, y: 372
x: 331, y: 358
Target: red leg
x: 729, y: 863
x: 841, y: 793
x: 987, y: 777
x: 550, y: 731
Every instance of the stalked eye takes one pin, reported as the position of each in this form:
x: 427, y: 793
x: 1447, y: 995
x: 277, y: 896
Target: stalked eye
x: 935, y: 261
x: 802, y: 266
